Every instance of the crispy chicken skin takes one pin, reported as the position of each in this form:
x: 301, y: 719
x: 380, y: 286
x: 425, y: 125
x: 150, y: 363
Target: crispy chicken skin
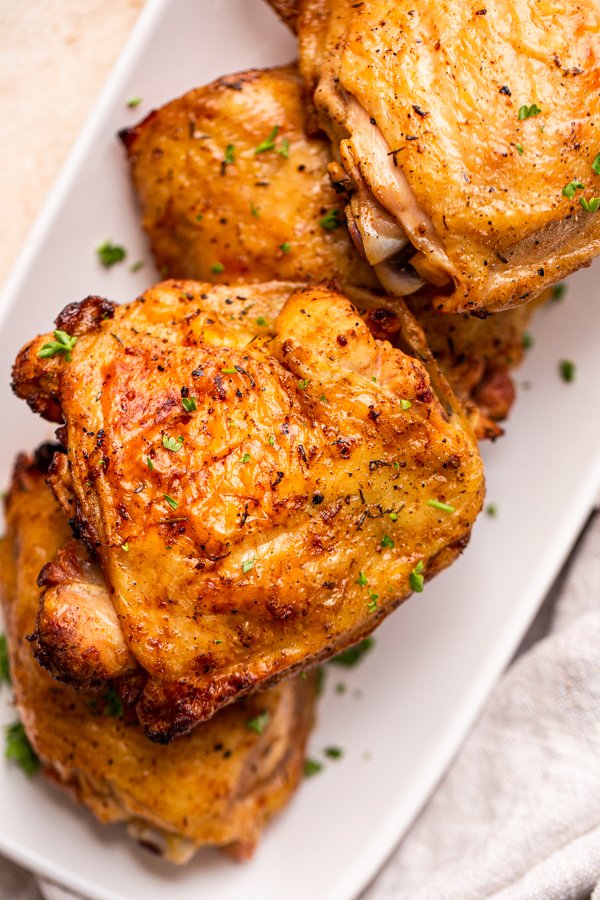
x: 240, y: 214
x: 217, y: 787
x: 277, y: 522
x: 179, y: 175
x: 459, y: 125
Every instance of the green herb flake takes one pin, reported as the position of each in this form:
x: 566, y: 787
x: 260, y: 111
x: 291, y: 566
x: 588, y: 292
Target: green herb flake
x: 271, y: 440
x: 172, y: 503
x: 570, y: 189
x: 285, y: 247
x: 558, y: 291
x: 172, y: 444
x: 520, y: 150
x: 372, y: 604
x: 311, y: 767
x: 567, y: 370
x: 393, y: 516
x: 269, y: 142
x: 333, y: 752
x: 217, y: 268
x: 110, y: 254
x: 596, y: 165
x: 527, y: 341
x: 405, y: 404
x: 340, y: 688
x: 362, y: 579
x: 19, y: 750
x: 247, y: 565
x: 230, y: 154
x: 416, y: 579
x: 189, y: 404
x: 330, y: 220
x: 63, y: 344
x: 136, y: 266
x: 113, y: 705
x: 259, y: 722
x: 353, y: 655
x: 150, y: 464
x: 133, y: 102
x: 4, y: 663
x: 255, y: 212
x: 303, y: 383
x: 284, y: 148
x: 592, y: 205
x: 491, y: 510
x: 230, y: 370
x: 386, y: 541
x: 125, y: 547
x: 261, y: 320
x: 199, y: 217
x: 246, y: 458
x: 443, y: 507
x: 525, y: 112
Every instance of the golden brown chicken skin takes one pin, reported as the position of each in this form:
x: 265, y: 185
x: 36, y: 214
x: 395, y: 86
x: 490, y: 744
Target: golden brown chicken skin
x: 459, y: 125
x: 176, y: 174
x: 258, y: 475
x: 231, y: 188
x: 217, y: 787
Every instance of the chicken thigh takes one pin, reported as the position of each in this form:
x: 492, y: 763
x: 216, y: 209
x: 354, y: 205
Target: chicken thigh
x: 218, y: 786
x: 261, y: 479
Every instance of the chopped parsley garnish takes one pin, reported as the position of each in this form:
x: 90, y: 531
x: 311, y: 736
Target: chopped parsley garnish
x: 567, y: 370
x: 261, y: 320
x: 592, y: 205
x: 189, y: 404
x: 231, y: 370
x: 150, y: 464
x: 491, y: 510
x: 172, y: 444
x: 248, y: 564
x: 268, y: 143
x: 271, y: 440
x: 258, y: 723
x: 217, y: 268
x: 386, y: 541
x: 416, y: 579
x: 4, y: 664
x: 394, y: 516
x: 311, y: 767
x: 526, y: 111
x: 372, y: 604
x: 362, y: 579
x: 110, y: 254
x: 199, y: 217
x: 113, y: 705
x: 172, y: 503
x: 133, y: 102
x: 333, y: 752
x: 246, y: 458
x: 125, y: 547
x: 353, y: 655
x: 520, y: 150
x: 303, y: 383
x: 405, y: 404
x: 230, y: 154
x: 596, y: 165
x: 527, y: 340
x: 444, y: 507
x: 285, y: 247
x: 19, y: 750
x: 330, y: 220
x: 558, y: 291
x: 136, y: 266
x: 63, y: 344
x: 284, y: 148
x: 255, y: 212
x: 573, y: 186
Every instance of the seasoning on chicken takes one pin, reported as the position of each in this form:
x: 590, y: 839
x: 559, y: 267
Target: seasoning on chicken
x: 258, y: 475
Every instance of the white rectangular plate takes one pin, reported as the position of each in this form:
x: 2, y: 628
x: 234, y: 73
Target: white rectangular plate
x: 410, y: 702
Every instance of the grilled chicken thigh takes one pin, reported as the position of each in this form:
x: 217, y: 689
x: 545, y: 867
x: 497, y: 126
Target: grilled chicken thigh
x: 216, y: 787
x: 261, y: 479
x: 469, y: 132
x: 217, y: 214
